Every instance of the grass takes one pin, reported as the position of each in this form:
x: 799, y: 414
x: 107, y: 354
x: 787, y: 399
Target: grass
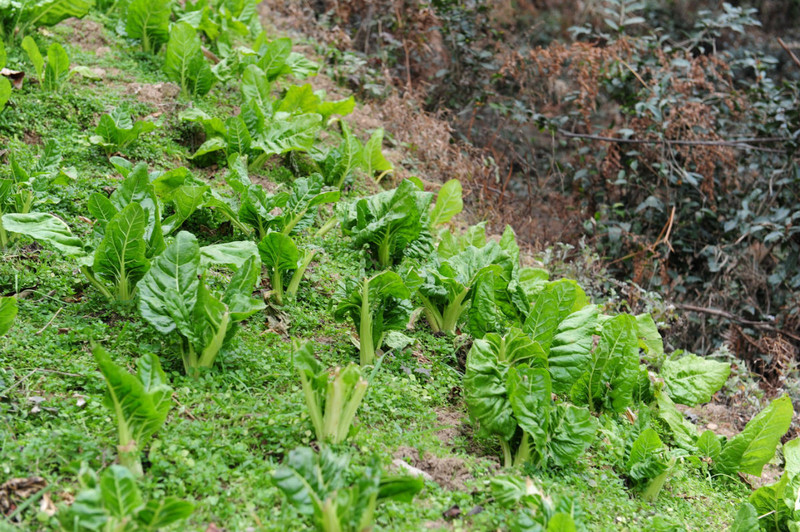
x: 231, y: 426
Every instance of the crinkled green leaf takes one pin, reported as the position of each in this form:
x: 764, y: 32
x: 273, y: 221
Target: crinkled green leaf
x: 693, y: 380
x: 120, y: 494
x: 448, y: 203
x: 45, y: 228
x: 148, y: 21
x: 751, y: 449
x: 120, y: 257
x: 571, y: 347
x: 608, y: 381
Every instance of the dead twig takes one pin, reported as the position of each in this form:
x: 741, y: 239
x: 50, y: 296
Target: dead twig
x: 789, y: 51
x: 733, y: 317
x: 43, y: 329
x: 739, y: 143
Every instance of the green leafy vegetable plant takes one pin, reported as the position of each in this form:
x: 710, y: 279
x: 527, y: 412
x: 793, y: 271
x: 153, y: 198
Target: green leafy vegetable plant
x: 185, y: 63
x: 692, y: 380
x: 8, y: 312
x: 116, y: 131
x: 317, y: 486
x: 255, y: 133
x: 29, y: 188
x: 148, y: 22
x: 175, y: 300
x: 280, y: 256
x: 51, y: 74
x: 114, y: 502
x: 649, y: 463
x: 533, y: 510
x: 388, y: 223
x: 20, y: 18
x: 776, y: 503
x: 375, y: 305
x: 139, y: 403
x: 332, y: 396
x: 750, y: 450
x: 447, y: 287
x: 508, y: 392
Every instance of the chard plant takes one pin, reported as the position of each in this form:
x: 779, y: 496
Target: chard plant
x: 8, y: 312
x: 285, y: 212
x: 775, y: 502
x: 185, y: 63
x: 140, y: 403
x: 389, y: 223
x: 508, y: 392
x: 175, y: 299
x: 116, y: 131
x: 113, y: 502
x: 53, y: 73
x: 332, y: 395
x: 447, y: 287
x: 375, y: 305
x: 317, y: 486
x: 254, y: 132
x: 280, y: 256
x: 129, y: 226
x: 533, y: 509
x: 18, y: 19
x: 30, y: 188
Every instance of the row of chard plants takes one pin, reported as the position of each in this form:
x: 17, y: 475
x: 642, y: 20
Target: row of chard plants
x: 549, y: 374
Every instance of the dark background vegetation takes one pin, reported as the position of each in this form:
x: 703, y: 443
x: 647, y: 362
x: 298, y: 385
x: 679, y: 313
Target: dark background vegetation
x: 696, y: 197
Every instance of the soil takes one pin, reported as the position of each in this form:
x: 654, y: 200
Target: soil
x: 451, y: 422
x: 87, y: 34
x: 158, y: 94
x: 449, y: 472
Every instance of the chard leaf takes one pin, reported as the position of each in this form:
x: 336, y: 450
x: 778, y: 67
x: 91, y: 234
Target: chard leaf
x: 572, y: 430
x: 646, y: 461
x: 120, y: 257
x: 148, y: 21
x: 8, y: 311
x: 372, y: 159
x: 139, y: 403
x: 571, y: 348
x: 30, y: 47
x: 448, y: 203
x: 289, y: 134
x: 746, y: 519
x: 339, y: 107
x: 51, y: 12
x: 168, y: 292
x: 238, y: 138
x: 273, y: 58
x: 387, y: 222
x: 184, y: 62
x: 45, y: 228
x: 307, y: 194
x: 298, y: 99
x: 529, y: 393
x: 238, y: 295
x: 186, y: 200
x: 255, y: 87
x: 101, y: 208
x: 708, y: 445
x: 116, y: 130
x: 611, y: 374
x: 684, y: 433
x: 485, y: 389
x: 693, y: 380
x: 231, y: 254
x: 278, y: 252
x: 649, y: 338
x: 161, y: 513
x: 120, y: 494
x: 751, y: 449
x: 56, y: 72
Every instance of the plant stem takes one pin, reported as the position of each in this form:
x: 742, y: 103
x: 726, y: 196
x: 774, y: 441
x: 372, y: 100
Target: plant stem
x: 507, y: 461
x: 523, y: 451
x: 365, y: 328
x: 277, y: 285
x: 384, y: 257
x: 453, y: 312
x: 294, y: 283
x: 97, y: 284
x: 327, y: 226
x: 349, y: 412
x: 314, y: 407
